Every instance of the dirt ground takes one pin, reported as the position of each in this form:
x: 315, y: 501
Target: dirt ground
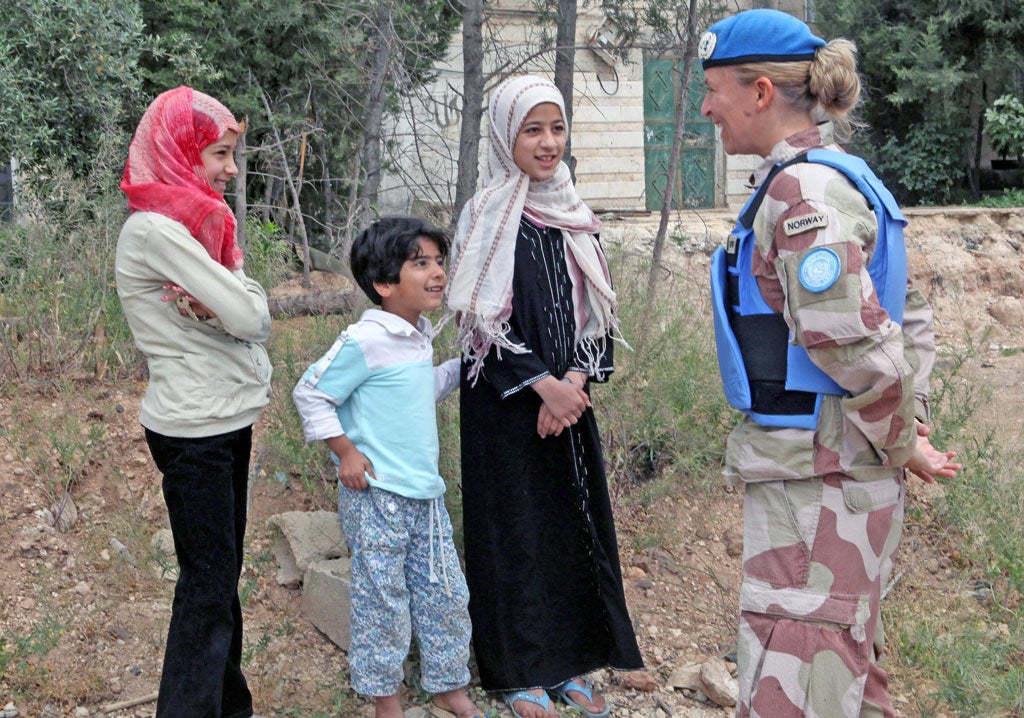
x: 83, y: 611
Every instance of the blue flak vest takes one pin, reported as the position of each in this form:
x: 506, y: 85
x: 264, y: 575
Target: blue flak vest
x: 764, y: 374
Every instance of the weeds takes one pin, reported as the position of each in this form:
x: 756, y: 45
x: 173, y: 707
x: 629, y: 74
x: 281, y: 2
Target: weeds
x: 343, y: 702
x: 968, y: 656
x: 976, y: 668
x: 283, y: 455
x: 56, y: 451
x: 251, y: 650
x: 1011, y: 197
x: 662, y: 415
x: 60, y: 313
x: 23, y: 656
x: 267, y: 256
x: 255, y: 568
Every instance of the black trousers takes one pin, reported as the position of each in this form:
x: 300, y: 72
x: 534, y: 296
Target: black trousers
x: 204, y: 486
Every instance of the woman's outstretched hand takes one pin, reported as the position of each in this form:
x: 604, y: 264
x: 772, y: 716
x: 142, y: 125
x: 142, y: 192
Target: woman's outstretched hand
x: 929, y: 463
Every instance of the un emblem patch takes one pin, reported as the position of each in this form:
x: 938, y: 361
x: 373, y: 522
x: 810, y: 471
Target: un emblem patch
x: 820, y: 269
x: 707, y: 45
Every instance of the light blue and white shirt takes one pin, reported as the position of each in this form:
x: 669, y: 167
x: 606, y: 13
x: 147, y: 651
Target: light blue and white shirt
x: 378, y: 385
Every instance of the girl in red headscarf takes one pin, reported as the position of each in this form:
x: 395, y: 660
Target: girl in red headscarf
x: 200, y: 323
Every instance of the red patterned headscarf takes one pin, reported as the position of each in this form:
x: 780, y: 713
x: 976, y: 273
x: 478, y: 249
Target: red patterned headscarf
x: 165, y: 173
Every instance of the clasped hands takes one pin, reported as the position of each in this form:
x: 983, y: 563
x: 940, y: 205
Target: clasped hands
x: 188, y: 306
x: 563, y: 402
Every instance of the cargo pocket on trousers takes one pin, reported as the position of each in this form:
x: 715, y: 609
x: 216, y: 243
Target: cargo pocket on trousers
x: 803, y: 653
x: 864, y: 496
x: 808, y: 668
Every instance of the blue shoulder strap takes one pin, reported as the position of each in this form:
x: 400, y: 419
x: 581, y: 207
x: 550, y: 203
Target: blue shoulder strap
x: 888, y: 267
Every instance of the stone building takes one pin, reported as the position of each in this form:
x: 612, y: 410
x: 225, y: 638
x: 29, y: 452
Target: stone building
x: 623, y: 119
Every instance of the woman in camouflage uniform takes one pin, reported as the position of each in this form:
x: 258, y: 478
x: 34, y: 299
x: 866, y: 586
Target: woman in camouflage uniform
x: 823, y: 504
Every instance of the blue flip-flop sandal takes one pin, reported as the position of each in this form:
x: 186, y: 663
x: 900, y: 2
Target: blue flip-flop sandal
x: 586, y: 689
x: 543, y: 700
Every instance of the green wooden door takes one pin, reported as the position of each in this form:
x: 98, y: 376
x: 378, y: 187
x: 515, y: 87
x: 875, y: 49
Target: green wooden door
x: 695, y: 184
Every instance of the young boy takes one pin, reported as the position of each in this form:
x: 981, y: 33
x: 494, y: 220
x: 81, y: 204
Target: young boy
x: 371, y: 399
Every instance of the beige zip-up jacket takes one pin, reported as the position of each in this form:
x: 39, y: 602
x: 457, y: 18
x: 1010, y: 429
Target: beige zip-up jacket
x: 205, y: 377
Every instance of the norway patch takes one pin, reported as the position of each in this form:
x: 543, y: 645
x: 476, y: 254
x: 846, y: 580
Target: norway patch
x: 819, y: 269
x: 796, y: 225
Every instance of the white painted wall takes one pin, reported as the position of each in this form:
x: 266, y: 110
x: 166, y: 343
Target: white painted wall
x: 607, y: 131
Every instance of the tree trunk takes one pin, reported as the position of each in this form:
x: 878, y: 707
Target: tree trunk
x: 472, y: 106
x: 327, y: 191
x: 353, y: 206
x: 565, y: 60
x: 689, y: 53
x: 312, y: 304
x: 300, y: 222
x: 241, y: 206
x: 377, y: 73
x: 268, y: 195
x: 974, y: 166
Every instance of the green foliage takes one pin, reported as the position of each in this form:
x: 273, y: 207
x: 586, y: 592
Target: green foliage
x: 1004, y: 125
x: 76, y: 76
x: 68, y: 76
x: 56, y: 277
x: 979, y: 501
x: 267, y: 255
x: 176, y: 54
x: 925, y: 168
x: 971, y: 655
x: 1009, y: 198
x: 663, y: 416
x: 975, y: 667
x: 928, y: 69
x: 311, y: 65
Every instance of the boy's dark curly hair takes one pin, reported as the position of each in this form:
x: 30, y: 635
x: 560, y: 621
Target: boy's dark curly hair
x: 380, y: 250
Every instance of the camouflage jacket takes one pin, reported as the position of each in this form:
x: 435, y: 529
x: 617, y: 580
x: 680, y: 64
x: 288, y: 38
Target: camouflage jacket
x: 869, y: 433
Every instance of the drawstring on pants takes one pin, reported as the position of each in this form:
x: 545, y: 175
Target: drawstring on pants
x: 435, y: 536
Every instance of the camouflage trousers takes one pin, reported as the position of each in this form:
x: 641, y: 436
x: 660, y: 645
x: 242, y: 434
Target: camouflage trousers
x: 816, y: 555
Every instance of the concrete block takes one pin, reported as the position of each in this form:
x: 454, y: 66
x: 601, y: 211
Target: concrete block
x: 307, y: 536
x: 327, y: 598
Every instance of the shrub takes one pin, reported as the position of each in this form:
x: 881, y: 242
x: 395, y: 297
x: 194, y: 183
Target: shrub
x: 1004, y: 125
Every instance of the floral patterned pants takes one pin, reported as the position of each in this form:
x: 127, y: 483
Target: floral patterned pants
x: 406, y: 582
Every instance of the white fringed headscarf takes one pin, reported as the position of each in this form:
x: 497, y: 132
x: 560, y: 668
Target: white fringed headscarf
x: 483, y: 250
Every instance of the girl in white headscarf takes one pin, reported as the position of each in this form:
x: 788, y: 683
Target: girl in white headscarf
x: 536, y: 316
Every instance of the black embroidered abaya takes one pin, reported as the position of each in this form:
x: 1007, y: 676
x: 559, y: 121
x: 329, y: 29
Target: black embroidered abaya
x: 542, y: 561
